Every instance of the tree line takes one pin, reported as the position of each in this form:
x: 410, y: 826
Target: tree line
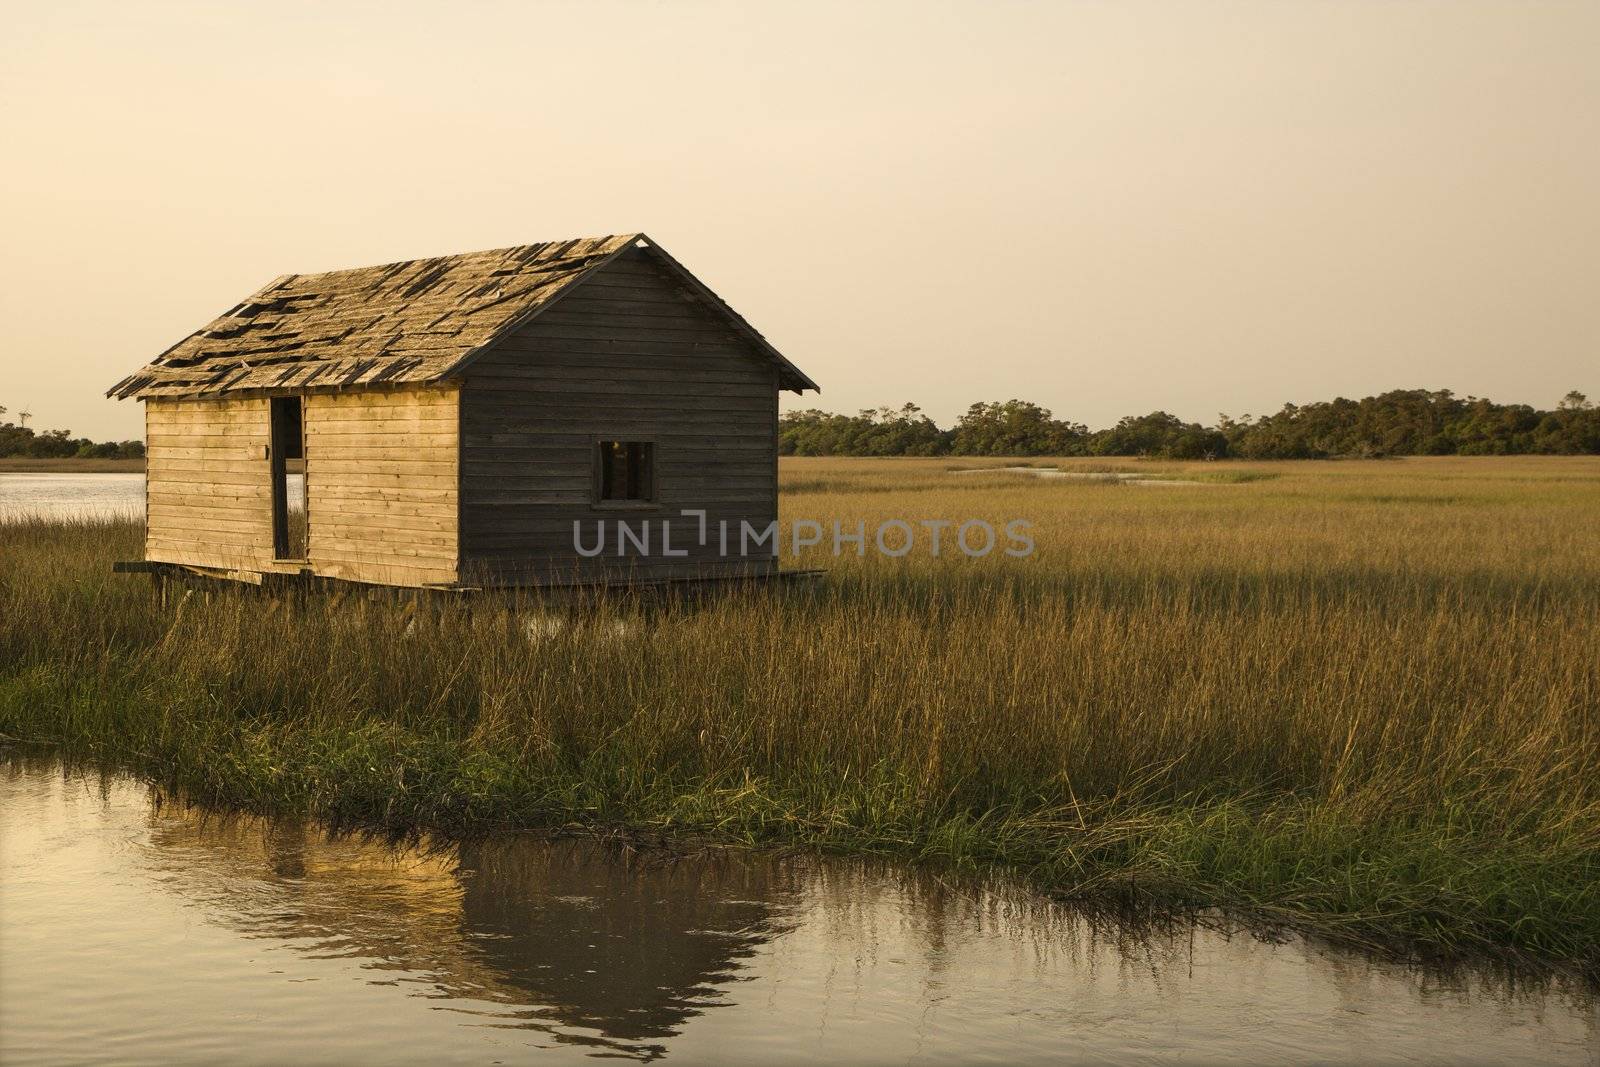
x: 1403, y: 422
x: 19, y: 440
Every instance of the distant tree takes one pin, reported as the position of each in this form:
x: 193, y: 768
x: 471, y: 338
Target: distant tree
x: 1572, y: 428
x: 1399, y: 422
x: 1573, y: 401
x: 1160, y: 435
x: 1015, y: 428
x: 19, y: 440
x: 902, y: 431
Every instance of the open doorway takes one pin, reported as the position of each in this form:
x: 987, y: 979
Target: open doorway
x: 288, y: 455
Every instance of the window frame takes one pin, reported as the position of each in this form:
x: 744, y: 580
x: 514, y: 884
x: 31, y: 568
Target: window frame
x: 597, y: 487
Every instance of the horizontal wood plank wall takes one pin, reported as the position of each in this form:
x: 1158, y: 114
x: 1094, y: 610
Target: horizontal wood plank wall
x: 628, y: 355
x: 208, y: 483
x: 382, y: 481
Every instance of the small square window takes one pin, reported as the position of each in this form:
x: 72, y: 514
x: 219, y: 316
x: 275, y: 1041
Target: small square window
x: 625, y: 471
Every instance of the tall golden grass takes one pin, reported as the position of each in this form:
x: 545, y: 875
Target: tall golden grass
x: 1363, y: 697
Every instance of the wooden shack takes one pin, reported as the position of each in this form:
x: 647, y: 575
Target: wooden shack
x: 469, y: 421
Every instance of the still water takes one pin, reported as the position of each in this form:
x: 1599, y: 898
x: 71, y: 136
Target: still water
x: 68, y: 496
x: 133, y: 931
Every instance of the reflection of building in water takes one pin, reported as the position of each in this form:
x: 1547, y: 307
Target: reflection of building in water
x: 588, y: 942
x: 516, y: 945
x: 627, y: 945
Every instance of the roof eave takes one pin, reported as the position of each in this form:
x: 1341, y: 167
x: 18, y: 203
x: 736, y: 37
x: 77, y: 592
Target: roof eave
x: 796, y: 382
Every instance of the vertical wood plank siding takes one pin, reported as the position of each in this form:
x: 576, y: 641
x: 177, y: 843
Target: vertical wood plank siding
x: 382, y: 476
x: 207, y: 483
x: 627, y: 355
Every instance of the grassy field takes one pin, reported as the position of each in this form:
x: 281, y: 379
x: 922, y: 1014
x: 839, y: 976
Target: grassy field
x: 1357, y: 697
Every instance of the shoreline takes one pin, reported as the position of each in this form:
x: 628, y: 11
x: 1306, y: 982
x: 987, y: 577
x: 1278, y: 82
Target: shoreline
x: 1123, y: 899
x: 1305, y: 699
x: 68, y: 465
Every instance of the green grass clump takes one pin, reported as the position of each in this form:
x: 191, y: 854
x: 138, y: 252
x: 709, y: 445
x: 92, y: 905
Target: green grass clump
x: 1379, y: 721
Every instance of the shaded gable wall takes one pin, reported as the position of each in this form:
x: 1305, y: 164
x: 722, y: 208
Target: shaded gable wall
x: 627, y: 355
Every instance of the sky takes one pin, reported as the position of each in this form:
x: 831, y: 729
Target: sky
x: 1107, y: 208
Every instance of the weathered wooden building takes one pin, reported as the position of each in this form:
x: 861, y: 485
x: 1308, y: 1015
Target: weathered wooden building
x: 454, y: 417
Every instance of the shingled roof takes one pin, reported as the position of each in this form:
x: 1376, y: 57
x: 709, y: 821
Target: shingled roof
x: 422, y: 320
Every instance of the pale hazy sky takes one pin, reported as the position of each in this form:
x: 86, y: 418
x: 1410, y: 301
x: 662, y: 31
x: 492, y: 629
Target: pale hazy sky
x: 1107, y: 207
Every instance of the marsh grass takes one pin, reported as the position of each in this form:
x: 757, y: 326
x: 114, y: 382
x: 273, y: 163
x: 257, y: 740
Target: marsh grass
x: 1307, y: 697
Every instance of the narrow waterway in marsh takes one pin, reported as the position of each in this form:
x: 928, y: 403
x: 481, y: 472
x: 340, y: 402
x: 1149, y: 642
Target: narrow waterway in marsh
x: 134, y: 929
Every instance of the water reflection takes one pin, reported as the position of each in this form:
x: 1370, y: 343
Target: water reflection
x: 587, y: 948
x: 591, y: 943
x: 628, y: 945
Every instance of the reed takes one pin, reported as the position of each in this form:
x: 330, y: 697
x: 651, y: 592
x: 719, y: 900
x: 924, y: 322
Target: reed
x: 1362, y: 698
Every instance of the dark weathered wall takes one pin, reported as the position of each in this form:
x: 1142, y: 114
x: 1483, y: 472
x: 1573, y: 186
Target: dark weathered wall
x: 628, y: 355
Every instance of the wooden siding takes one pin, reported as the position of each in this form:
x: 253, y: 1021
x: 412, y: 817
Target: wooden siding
x: 628, y: 354
x: 207, y: 484
x: 382, y: 482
